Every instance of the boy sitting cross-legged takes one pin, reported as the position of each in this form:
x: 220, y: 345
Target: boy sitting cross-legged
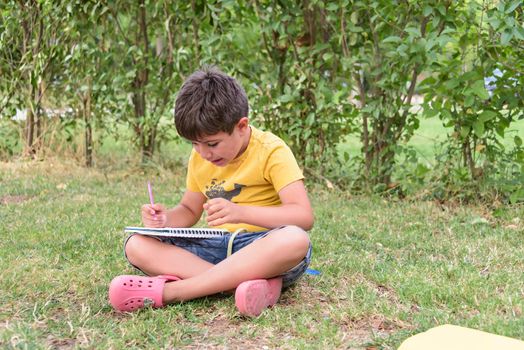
x: 248, y: 182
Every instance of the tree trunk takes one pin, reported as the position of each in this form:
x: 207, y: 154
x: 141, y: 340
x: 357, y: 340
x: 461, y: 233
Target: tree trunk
x: 88, y: 136
x: 195, y: 31
x: 468, y: 158
x: 33, y: 28
x: 140, y: 82
x: 29, y: 132
x: 38, y: 117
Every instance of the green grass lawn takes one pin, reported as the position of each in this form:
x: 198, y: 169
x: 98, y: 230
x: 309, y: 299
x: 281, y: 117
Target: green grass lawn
x: 388, y: 269
x: 427, y: 139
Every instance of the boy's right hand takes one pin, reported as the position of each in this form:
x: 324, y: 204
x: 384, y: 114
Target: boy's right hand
x: 154, y: 215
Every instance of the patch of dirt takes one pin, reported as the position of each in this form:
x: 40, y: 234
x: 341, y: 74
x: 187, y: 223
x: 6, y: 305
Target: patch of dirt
x: 386, y: 292
x: 364, y: 330
x: 223, y: 328
x: 13, y: 199
x: 61, y: 344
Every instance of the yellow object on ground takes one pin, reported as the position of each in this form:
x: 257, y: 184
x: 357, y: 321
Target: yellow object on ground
x: 449, y: 337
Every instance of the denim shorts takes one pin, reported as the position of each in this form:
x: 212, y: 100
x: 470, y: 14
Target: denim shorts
x: 214, y: 250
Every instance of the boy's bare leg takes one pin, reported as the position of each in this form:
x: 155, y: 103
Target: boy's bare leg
x: 267, y: 257
x: 156, y: 258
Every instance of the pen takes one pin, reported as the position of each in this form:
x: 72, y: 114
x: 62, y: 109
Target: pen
x: 150, y: 193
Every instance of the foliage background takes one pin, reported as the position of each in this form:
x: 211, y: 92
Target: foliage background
x: 79, y: 74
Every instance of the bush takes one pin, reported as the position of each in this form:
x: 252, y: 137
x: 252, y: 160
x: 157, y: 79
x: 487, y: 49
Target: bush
x: 10, y: 138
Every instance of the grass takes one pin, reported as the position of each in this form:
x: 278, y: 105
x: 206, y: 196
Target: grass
x: 428, y: 138
x: 388, y: 269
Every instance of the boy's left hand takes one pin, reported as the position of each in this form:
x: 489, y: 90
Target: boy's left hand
x: 221, y: 211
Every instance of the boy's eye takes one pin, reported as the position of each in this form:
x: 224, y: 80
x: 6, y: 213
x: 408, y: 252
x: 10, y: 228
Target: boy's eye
x: 212, y: 144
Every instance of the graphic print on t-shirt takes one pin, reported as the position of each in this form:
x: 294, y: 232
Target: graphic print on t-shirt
x: 216, y: 190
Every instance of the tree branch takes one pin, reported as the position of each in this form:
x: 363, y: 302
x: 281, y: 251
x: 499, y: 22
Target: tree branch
x: 115, y: 16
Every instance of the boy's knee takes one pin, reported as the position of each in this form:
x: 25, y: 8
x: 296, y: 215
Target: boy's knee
x: 294, y: 240
x: 134, y: 248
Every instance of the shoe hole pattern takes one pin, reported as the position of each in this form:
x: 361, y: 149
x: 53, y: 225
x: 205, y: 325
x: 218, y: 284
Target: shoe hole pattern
x: 131, y: 303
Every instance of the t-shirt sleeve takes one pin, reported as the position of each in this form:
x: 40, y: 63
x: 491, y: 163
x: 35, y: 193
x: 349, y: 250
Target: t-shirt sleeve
x: 282, y: 167
x: 191, y: 183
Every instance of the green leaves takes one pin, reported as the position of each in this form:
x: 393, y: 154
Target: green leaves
x: 478, y: 128
x: 479, y: 90
x: 487, y: 115
x: 511, y: 6
x: 518, y: 141
x: 428, y: 10
x: 314, y: 71
x: 392, y: 39
x: 479, y: 125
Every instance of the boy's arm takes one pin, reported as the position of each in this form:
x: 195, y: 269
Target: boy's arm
x: 185, y: 214
x: 295, y: 210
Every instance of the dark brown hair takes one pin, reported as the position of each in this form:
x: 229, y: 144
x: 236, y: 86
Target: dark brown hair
x: 209, y: 102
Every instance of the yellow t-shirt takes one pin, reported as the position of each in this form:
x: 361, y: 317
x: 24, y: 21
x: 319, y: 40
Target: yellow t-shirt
x: 255, y: 178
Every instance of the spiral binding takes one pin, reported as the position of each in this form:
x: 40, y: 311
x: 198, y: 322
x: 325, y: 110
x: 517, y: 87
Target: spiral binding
x: 178, y: 232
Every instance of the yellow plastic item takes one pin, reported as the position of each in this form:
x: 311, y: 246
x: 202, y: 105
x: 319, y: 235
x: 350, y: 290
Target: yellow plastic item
x: 449, y: 337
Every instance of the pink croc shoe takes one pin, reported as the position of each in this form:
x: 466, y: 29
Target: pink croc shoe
x: 130, y: 293
x: 252, y: 297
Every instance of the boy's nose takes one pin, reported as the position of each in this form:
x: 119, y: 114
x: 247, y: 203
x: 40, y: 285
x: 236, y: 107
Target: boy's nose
x: 205, y: 152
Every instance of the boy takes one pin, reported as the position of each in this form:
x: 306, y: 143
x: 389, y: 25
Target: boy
x: 243, y: 179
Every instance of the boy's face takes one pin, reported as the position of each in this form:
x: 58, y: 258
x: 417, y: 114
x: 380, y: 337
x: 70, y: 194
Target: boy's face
x: 221, y: 148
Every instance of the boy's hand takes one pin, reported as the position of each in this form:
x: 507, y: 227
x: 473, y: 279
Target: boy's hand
x: 154, y: 215
x: 221, y: 211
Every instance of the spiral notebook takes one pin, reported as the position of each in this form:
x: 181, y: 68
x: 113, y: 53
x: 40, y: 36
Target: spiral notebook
x: 178, y: 232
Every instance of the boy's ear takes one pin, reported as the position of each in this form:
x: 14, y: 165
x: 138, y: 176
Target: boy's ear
x: 243, y: 123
